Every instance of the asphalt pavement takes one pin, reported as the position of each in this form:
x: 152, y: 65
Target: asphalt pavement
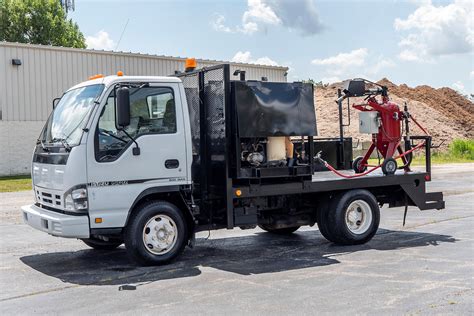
x: 426, y: 267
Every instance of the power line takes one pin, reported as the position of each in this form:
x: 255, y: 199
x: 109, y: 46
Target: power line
x: 123, y: 31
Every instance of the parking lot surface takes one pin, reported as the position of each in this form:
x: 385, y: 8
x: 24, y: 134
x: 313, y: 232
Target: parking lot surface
x: 425, y: 267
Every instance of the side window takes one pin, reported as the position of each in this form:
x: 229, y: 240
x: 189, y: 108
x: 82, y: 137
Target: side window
x: 152, y: 111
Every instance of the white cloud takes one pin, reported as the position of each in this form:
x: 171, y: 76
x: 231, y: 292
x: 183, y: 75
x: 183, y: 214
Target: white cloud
x: 101, y: 40
x: 381, y: 64
x: 358, y: 63
x: 344, y: 60
x: 297, y: 14
x: 436, y: 31
x: 459, y: 87
x: 219, y: 24
x: 258, y: 10
x: 330, y: 80
x: 471, y: 74
x: 246, y: 57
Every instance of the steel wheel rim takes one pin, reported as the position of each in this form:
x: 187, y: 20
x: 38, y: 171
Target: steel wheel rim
x: 358, y: 217
x: 160, y: 234
x: 391, y: 167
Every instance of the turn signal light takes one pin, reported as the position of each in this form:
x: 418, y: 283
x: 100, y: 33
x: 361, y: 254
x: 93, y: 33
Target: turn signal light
x: 98, y: 220
x: 238, y: 192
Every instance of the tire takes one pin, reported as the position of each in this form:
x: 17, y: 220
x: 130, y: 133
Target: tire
x: 352, y: 218
x: 167, y: 243
x: 356, y: 165
x: 279, y: 231
x: 98, y: 244
x: 322, y: 221
x: 389, y: 166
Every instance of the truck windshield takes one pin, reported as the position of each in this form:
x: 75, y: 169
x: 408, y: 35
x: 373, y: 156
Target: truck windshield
x: 66, y: 122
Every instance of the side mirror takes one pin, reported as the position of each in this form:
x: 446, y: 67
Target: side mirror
x: 354, y: 88
x: 122, y: 106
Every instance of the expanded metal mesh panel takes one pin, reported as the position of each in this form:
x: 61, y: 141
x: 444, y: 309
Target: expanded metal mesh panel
x: 206, y: 97
x: 191, y: 88
x: 214, y: 94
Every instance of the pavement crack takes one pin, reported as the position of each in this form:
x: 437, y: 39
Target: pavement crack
x: 39, y: 292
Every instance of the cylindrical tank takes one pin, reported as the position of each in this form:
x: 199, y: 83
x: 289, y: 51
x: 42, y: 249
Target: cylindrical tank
x: 276, y: 148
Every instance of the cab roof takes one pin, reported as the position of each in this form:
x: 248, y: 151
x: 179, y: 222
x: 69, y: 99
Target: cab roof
x: 110, y: 80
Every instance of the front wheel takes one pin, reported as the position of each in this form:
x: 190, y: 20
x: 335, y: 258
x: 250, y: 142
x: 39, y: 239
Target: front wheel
x: 278, y: 231
x: 352, y: 218
x: 156, y: 234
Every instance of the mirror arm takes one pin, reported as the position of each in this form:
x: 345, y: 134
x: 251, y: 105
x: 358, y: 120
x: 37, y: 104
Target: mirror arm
x: 136, y: 149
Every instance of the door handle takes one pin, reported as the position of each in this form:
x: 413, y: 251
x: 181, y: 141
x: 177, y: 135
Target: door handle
x: 172, y: 163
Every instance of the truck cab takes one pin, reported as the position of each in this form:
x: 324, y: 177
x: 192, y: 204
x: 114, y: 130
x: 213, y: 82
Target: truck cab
x: 87, y: 172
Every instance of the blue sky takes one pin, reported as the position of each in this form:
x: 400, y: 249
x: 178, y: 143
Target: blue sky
x: 412, y: 42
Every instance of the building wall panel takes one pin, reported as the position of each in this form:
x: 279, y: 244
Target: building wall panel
x: 27, y: 91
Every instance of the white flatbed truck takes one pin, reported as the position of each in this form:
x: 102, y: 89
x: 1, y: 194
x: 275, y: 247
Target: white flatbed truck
x: 150, y: 161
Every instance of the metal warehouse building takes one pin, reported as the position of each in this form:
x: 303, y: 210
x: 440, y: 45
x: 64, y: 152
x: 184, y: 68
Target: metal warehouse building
x: 31, y: 76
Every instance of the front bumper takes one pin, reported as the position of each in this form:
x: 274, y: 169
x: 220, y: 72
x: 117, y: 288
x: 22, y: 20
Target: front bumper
x: 56, y: 224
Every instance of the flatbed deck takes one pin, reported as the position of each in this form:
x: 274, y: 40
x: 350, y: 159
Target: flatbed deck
x: 325, y: 181
x: 322, y: 176
x: 413, y: 183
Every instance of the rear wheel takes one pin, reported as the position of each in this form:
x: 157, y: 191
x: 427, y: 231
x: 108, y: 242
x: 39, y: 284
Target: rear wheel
x: 352, y: 218
x: 156, y: 234
x: 278, y: 231
x: 98, y: 244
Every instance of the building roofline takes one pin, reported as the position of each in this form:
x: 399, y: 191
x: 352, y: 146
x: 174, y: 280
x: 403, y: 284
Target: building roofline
x: 131, y: 54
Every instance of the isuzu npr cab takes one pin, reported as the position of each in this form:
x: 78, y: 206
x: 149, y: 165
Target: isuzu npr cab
x: 150, y: 161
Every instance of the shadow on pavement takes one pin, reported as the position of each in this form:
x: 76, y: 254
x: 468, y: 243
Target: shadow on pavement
x: 255, y: 254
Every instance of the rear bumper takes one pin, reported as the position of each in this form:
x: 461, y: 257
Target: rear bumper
x: 56, y: 224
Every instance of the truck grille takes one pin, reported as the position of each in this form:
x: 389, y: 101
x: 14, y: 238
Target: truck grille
x: 48, y: 198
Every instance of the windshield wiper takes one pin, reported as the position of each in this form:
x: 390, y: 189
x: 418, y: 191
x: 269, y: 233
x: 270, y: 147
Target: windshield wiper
x: 40, y: 141
x: 63, y: 142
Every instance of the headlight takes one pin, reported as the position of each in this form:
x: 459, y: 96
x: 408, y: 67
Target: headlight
x: 79, y: 194
x: 75, y: 200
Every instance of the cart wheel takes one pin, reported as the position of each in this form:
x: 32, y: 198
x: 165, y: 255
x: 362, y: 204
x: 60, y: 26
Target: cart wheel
x: 352, y: 218
x: 156, y: 233
x: 356, y: 165
x: 279, y: 231
x: 389, y: 166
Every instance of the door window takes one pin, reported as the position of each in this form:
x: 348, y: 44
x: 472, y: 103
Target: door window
x: 152, y: 111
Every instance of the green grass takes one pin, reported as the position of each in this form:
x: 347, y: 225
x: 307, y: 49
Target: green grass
x: 459, y: 151
x: 462, y: 148
x: 15, y: 183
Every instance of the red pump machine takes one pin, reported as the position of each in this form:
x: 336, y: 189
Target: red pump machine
x: 386, y: 122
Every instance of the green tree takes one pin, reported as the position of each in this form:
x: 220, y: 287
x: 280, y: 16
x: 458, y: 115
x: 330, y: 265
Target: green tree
x: 38, y: 22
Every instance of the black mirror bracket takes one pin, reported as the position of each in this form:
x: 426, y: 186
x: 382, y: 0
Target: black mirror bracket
x: 136, y: 149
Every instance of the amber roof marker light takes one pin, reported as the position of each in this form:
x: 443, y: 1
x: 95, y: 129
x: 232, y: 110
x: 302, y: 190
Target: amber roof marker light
x: 96, y: 76
x: 190, y: 64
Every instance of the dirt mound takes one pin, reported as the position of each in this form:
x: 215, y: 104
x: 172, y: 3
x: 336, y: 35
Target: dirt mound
x: 444, y: 112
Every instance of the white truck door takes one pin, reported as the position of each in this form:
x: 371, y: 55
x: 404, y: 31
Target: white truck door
x: 115, y: 175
